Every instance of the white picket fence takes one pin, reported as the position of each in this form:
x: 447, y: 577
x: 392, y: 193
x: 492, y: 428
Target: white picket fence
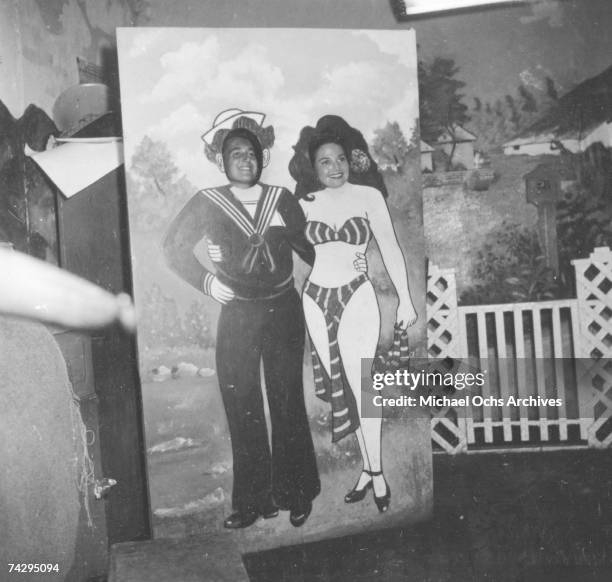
x: 548, y: 349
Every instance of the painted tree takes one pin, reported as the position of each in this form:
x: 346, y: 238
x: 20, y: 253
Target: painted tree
x: 514, y: 118
x: 528, y: 102
x: 156, y: 188
x: 584, y: 214
x: 551, y: 89
x: 152, y: 161
x: 390, y: 148
x: 502, y: 119
x: 529, y: 106
x: 490, y: 123
x: 440, y: 100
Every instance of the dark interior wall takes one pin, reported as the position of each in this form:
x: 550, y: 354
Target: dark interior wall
x: 40, y: 41
x: 272, y: 13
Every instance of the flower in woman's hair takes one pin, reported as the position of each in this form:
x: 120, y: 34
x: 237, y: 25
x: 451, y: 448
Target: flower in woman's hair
x: 360, y: 161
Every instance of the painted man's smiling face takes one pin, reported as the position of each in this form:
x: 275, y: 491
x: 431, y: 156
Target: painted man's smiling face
x: 240, y: 162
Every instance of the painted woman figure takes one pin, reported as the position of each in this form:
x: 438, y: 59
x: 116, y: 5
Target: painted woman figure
x: 342, y: 195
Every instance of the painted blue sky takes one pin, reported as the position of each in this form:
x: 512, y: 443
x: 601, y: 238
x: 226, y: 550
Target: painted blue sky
x: 175, y: 81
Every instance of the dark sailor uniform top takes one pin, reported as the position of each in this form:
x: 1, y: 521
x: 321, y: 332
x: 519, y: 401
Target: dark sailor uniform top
x: 257, y: 256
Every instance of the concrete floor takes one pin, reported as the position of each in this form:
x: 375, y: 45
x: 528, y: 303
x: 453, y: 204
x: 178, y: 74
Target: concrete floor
x: 522, y: 517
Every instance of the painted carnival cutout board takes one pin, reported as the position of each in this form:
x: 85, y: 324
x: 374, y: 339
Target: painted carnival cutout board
x: 260, y: 176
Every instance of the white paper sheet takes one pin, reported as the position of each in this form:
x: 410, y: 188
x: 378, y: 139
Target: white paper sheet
x: 75, y: 165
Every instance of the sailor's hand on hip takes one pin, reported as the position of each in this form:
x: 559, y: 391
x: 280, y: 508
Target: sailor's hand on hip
x: 220, y: 292
x: 214, y: 252
x: 360, y: 263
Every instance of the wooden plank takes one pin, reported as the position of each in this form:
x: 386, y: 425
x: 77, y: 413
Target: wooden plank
x: 483, y: 348
x: 461, y: 346
x: 526, y: 306
x: 540, y: 373
x: 536, y: 423
x: 527, y: 449
x: 585, y: 411
x: 462, y: 431
x: 504, y: 382
x: 439, y: 439
x: 560, y: 385
x: 571, y: 364
x: 593, y: 440
x: 521, y: 371
x: 451, y: 427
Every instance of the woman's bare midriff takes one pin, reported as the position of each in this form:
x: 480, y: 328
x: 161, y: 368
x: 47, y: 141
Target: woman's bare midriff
x: 334, y: 264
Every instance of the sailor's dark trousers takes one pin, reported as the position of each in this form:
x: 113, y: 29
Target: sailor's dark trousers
x: 272, y: 331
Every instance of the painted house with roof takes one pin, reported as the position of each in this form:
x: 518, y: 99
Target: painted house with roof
x: 457, y: 142
x: 580, y: 118
x: 426, y: 157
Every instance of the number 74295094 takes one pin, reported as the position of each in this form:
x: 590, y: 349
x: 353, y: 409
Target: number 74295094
x: 32, y: 568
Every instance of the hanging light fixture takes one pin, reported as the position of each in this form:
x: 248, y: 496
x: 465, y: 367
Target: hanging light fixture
x: 405, y: 9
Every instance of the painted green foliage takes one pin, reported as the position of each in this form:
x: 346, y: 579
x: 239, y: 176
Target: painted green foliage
x: 157, y: 189
x: 440, y: 100
x: 510, y: 266
x: 584, y: 215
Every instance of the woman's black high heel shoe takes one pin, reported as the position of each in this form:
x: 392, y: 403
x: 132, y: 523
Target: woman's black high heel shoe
x: 355, y: 495
x: 381, y: 502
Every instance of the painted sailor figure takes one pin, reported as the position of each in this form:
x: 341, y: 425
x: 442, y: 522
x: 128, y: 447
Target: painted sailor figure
x: 256, y: 227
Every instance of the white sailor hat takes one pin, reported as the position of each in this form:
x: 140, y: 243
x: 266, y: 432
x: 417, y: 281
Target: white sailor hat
x: 226, y: 119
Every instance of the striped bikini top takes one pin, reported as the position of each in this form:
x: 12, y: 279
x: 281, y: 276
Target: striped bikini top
x: 354, y: 231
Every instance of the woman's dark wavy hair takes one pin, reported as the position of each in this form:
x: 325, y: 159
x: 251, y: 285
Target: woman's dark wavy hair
x: 332, y: 129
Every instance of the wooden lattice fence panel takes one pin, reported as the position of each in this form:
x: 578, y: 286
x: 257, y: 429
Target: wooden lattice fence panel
x: 594, y: 345
x: 444, y: 340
